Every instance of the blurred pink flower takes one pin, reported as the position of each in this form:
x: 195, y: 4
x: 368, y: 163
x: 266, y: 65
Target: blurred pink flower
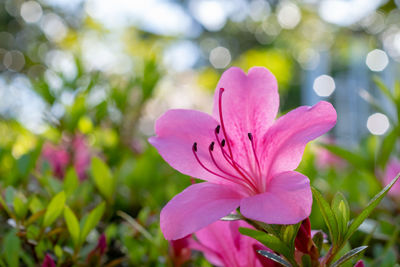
x: 392, y: 169
x: 58, y: 158
x: 82, y: 155
x: 94, y: 257
x: 180, y: 250
x: 75, y: 151
x: 223, y: 245
x: 245, y: 155
x: 48, y: 261
x: 359, y: 263
x: 325, y: 159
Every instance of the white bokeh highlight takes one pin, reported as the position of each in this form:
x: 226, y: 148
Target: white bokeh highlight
x: 378, y: 123
x: 31, y: 11
x: 220, y: 57
x: 289, y: 15
x: 324, y: 85
x: 377, y: 60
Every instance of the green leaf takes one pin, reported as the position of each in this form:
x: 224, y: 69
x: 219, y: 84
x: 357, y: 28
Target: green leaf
x: 288, y: 234
x: 20, y: 206
x: 72, y: 225
x: 352, y: 253
x: 71, y: 181
x: 103, y: 178
x: 327, y: 214
x: 12, y: 247
x: 92, y: 220
x: 370, y: 207
x: 306, y: 260
x: 268, y: 240
x: 386, y: 148
x: 274, y: 257
x: 353, y: 158
x: 318, y: 240
x: 54, y: 209
x: 341, y: 210
x: 384, y: 89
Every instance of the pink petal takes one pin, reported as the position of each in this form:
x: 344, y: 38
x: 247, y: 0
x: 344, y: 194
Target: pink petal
x: 249, y: 105
x: 285, y: 141
x: 176, y: 131
x: 223, y: 245
x: 196, y: 207
x: 288, y: 200
x: 392, y: 169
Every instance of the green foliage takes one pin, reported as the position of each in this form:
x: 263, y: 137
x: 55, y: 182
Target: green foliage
x: 54, y: 209
x: 103, y: 178
x: 91, y: 220
x: 72, y: 225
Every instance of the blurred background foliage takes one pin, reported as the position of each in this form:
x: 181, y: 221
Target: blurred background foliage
x: 82, y: 83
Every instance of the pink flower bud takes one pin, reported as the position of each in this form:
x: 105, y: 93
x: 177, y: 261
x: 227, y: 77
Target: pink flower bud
x: 48, y: 261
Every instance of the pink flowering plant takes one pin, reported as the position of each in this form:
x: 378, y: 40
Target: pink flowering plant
x: 247, y: 160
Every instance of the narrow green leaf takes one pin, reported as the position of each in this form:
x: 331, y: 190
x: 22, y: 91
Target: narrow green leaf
x: 384, y: 89
x: 268, y: 240
x: 231, y: 217
x: 352, y: 253
x: 54, y: 209
x: 274, y: 257
x: 370, y: 207
x: 71, y: 181
x: 288, y: 234
x: 353, y: 158
x: 92, y: 220
x: 20, y: 206
x: 341, y: 210
x: 318, y: 240
x: 72, y: 224
x: 306, y: 260
x: 386, y: 148
x: 12, y: 247
x: 35, y: 205
x: 103, y: 178
x: 327, y: 214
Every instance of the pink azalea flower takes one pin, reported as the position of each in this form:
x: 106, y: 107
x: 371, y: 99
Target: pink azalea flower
x: 223, y: 245
x: 392, y: 169
x: 245, y: 156
x: 58, y: 158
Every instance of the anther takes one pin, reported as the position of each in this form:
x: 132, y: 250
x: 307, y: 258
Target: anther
x: 223, y: 142
x: 194, y: 147
x: 217, y: 129
x: 212, y: 146
x: 250, y: 136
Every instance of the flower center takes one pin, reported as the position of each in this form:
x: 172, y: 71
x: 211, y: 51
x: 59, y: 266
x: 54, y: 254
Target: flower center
x: 236, y: 173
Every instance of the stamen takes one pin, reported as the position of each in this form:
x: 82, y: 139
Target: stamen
x: 194, y: 149
x: 242, y: 172
x: 221, y: 118
x: 211, y: 146
x: 254, y: 152
x: 237, y: 180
